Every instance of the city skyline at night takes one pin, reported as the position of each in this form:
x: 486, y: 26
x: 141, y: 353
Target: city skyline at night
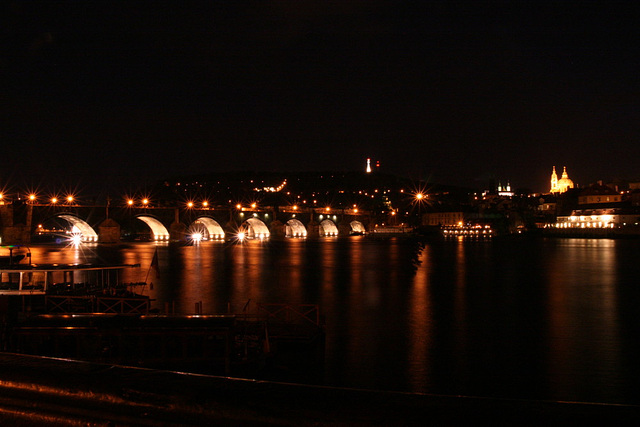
x: 446, y: 92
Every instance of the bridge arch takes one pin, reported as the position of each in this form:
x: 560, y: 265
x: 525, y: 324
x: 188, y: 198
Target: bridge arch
x: 158, y: 230
x: 208, y: 228
x: 255, y: 228
x: 328, y: 228
x: 294, y: 228
x: 357, y: 227
x: 80, y: 227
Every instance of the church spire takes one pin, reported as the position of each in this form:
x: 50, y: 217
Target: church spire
x: 554, y: 181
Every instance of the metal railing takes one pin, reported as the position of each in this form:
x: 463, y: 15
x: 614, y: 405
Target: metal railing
x: 91, y: 304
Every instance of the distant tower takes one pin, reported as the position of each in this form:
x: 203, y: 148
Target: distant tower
x: 368, y: 165
x: 554, y: 181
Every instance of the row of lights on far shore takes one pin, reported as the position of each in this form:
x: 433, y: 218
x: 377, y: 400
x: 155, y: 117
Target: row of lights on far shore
x: 240, y: 207
x: 33, y: 198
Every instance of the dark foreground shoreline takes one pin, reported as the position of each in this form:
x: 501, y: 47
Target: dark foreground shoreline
x: 44, y: 391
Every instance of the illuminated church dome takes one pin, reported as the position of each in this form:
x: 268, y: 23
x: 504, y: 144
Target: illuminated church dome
x: 560, y: 185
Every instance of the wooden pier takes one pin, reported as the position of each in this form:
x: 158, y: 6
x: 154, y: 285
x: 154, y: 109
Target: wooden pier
x: 122, y: 331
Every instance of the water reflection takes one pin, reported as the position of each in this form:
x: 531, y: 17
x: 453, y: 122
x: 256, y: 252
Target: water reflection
x: 546, y: 318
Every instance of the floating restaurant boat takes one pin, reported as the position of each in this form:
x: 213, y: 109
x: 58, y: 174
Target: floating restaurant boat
x: 57, y: 279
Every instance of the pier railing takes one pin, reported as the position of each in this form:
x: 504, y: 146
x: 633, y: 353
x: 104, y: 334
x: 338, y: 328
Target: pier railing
x: 69, y: 304
x: 289, y: 313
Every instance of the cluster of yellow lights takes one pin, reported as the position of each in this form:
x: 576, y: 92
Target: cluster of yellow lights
x: 53, y: 200
x: 468, y: 230
x: 272, y: 189
x: 242, y: 208
x: 69, y: 199
x: 587, y: 221
x: 204, y: 204
x: 144, y: 202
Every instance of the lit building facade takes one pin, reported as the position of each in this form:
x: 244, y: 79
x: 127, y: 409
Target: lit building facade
x: 599, y: 194
x: 443, y: 218
x: 560, y: 185
x: 596, y: 218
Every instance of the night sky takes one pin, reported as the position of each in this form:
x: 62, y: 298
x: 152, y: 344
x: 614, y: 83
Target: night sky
x: 122, y: 93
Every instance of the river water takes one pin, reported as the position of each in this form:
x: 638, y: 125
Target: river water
x: 525, y: 318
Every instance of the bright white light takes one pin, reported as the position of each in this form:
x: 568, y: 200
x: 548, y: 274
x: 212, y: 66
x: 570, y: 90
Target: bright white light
x: 196, y: 237
x: 241, y: 236
x: 76, y: 239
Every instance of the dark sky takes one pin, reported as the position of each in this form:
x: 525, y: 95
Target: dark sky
x: 453, y: 91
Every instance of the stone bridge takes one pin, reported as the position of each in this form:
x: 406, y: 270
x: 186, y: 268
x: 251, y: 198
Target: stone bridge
x: 22, y: 223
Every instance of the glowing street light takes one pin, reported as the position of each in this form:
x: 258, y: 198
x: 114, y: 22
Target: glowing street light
x: 145, y: 202
x: 69, y: 199
x: 54, y: 200
x: 32, y: 197
x: 419, y: 196
x: 189, y: 204
x: 205, y: 204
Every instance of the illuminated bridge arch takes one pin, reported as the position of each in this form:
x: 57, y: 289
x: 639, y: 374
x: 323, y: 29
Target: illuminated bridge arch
x: 294, y: 228
x: 158, y: 230
x: 255, y: 228
x: 208, y: 228
x: 87, y: 234
x: 328, y: 228
x: 357, y: 227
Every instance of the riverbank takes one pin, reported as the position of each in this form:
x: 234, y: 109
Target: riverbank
x: 45, y: 391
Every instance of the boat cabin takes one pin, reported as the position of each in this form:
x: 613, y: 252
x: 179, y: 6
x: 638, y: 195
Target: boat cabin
x: 41, y: 279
